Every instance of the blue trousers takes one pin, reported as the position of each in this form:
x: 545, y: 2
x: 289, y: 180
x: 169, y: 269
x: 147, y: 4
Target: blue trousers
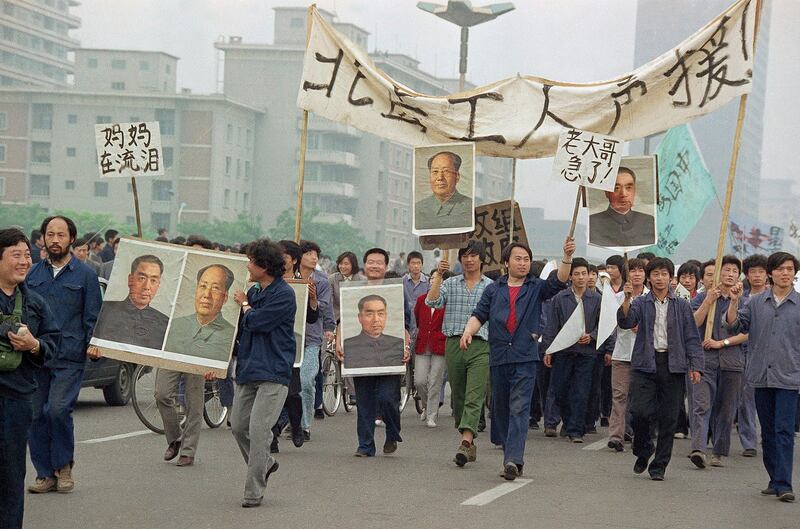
x: 377, y: 395
x: 776, y: 413
x: 512, y: 388
x: 572, y: 377
x: 52, y: 435
x: 15, y: 419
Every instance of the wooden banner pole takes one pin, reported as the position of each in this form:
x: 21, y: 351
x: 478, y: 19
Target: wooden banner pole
x: 513, y: 204
x: 575, y: 211
x: 136, y: 207
x: 726, y: 209
x: 301, y: 166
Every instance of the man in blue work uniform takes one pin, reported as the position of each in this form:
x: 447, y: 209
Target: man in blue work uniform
x: 72, y: 291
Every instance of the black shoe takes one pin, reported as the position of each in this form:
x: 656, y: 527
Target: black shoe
x: 247, y: 504
x: 750, y: 452
x: 319, y: 413
x: 359, y: 453
x: 656, y: 476
x: 352, y: 401
x: 510, y: 471
x: 616, y: 445
x: 769, y: 491
x: 533, y: 425
x: 628, y: 438
x: 786, y: 496
x: 270, y: 470
x: 640, y: 465
x: 273, y: 446
x: 549, y: 431
x: 603, y: 422
x: 298, y: 438
x: 390, y: 447
x: 481, y: 425
x: 306, y: 435
x: 698, y: 458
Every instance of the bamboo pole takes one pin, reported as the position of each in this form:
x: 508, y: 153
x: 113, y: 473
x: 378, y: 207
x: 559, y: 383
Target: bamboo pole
x: 575, y: 211
x: 136, y: 207
x: 301, y: 166
x: 726, y: 209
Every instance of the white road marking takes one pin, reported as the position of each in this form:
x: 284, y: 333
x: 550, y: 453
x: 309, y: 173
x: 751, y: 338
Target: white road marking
x: 599, y: 445
x: 492, y: 494
x: 115, y: 437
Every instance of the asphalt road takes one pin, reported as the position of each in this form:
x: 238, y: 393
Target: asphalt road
x: 123, y: 483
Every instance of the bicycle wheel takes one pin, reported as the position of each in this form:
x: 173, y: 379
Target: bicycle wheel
x: 331, y: 391
x: 406, y: 381
x: 143, y: 397
x: 343, y: 388
x: 214, y: 413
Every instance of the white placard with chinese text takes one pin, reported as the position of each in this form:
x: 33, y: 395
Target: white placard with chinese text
x: 588, y: 159
x: 128, y: 149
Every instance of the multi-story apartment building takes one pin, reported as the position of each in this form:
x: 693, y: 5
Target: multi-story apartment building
x: 350, y: 176
x: 35, y: 43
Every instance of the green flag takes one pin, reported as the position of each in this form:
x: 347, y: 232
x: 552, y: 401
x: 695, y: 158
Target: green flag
x: 684, y: 186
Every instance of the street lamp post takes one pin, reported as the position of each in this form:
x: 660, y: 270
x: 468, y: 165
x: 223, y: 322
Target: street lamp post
x: 462, y: 14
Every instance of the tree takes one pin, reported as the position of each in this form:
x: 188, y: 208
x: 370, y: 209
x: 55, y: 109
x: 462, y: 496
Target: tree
x: 242, y: 230
x: 334, y: 239
x: 30, y: 217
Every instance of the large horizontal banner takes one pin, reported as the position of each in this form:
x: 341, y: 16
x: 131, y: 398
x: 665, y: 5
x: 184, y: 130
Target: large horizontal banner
x: 522, y: 117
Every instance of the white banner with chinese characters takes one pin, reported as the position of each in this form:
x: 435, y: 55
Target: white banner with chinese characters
x: 128, y: 149
x: 748, y: 236
x: 522, y: 117
x: 587, y: 159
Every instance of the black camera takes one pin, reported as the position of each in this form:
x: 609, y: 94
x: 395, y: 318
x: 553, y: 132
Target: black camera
x: 7, y: 326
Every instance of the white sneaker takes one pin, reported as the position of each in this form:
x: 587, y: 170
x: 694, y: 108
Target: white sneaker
x: 379, y: 422
x: 431, y: 423
x: 423, y: 416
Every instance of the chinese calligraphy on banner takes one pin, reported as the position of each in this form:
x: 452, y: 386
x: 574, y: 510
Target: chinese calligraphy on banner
x: 685, y: 188
x: 523, y: 116
x: 128, y: 149
x: 587, y: 159
x: 748, y: 236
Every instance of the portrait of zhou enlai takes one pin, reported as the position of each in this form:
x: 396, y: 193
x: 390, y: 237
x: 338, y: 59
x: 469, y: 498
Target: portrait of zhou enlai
x: 205, y: 333
x: 442, y: 205
x: 619, y: 225
x: 133, y: 321
x: 371, y: 347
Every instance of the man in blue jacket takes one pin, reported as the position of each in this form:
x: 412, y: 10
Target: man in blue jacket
x: 573, y: 366
x: 667, y: 346
x: 72, y: 291
x: 264, y: 359
x: 36, y: 343
x: 512, y: 306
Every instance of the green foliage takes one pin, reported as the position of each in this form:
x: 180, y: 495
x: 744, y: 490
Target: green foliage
x: 30, y: 217
x: 332, y: 238
x: 243, y: 229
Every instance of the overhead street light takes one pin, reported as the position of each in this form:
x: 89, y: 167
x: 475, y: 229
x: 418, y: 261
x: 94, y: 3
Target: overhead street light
x: 462, y: 14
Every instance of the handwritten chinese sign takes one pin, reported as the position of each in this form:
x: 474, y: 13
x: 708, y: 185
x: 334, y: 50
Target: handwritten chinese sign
x: 748, y: 236
x: 522, y: 117
x: 587, y: 159
x: 128, y: 149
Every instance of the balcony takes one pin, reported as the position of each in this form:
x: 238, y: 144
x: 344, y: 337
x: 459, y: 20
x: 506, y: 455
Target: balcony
x: 334, y: 218
x: 338, y: 189
x: 328, y: 156
x: 324, y: 125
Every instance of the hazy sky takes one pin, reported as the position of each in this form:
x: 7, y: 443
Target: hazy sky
x: 568, y: 40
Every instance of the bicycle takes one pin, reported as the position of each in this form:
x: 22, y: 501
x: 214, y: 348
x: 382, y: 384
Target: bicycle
x: 144, y: 402
x: 409, y: 390
x: 334, y: 389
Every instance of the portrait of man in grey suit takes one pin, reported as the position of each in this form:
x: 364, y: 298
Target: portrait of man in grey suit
x: 372, y: 348
x: 446, y: 208
x: 619, y: 225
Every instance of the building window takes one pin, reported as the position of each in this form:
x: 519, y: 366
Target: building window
x: 2, y: 153
x: 249, y: 136
x: 227, y: 166
x: 245, y: 200
x: 159, y: 220
x: 40, y: 152
x: 118, y: 64
x: 144, y: 65
x: 40, y: 185
x: 71, y: 152
x: 166, y: 156
x: 92, y: 62
x: 247, y: 170
x: 238, y: 135
x: 72, y: 119
x: 227, y: 200
x: 69, y: 185
x: 229, y: 134
x: 2, y: 186
x: 101, y: 189
x: 166, y: 121
x: 42, y: 116
x: 102, y: 119
x: 238, y: 168
x: 162, y: 190
x: 118, y: 85
x: 3, y: 120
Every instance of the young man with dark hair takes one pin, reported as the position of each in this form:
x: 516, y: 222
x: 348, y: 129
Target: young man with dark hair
x: 72, y: 291
x: 754, y: 268
x: 36, y: 245
x: 29, y: 346
x: 646, y: 257
x: 107, y: 254
x: 715, y: 397
x: 689, y: 277
x: 378, y: 394
x: 573, y: 366
x: 615, y: 268
x: 264, y: 361
x: 667, y: 345
x: 415, y: 283
x: 772, y: 319
x: 512, y: 306
x: 707, y: 270
x: 467, y: 370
